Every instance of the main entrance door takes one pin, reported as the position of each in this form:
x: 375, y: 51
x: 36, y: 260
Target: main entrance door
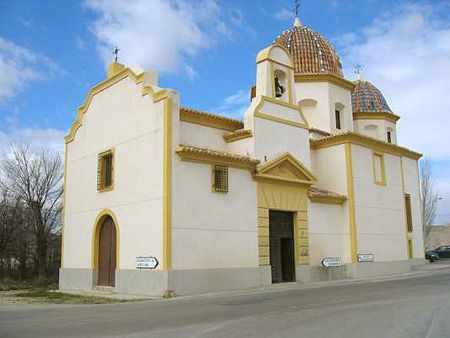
x: 107, y: 253
x: 281, y: 237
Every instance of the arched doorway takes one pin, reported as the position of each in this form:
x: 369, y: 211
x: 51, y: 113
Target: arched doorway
x: 107, y: 252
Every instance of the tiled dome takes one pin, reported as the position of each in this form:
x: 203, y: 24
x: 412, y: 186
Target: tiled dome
x: 310, y: 51
x: 368, y: 99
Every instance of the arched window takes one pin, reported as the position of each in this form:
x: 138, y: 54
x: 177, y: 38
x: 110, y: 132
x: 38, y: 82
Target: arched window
x: 339, y: 116
x: 280, y: 85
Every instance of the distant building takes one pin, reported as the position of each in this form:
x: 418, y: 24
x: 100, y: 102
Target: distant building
x: 313, y: 171
x: 439, y: 235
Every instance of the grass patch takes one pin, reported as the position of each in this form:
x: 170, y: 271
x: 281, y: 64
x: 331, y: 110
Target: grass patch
x: 46, y: 296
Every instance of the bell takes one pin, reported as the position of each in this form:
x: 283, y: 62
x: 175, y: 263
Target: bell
x: 279, y: 89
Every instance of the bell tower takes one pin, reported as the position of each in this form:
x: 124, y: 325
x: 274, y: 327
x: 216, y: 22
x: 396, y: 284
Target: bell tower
x: 275, y: 74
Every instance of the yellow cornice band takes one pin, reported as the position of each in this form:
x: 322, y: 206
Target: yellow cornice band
x: 199, y: 155
x: 390, y: 117
x: 365, y: 141
x: 209, y: 120
x: 331, y: 78
x: 237, y: 135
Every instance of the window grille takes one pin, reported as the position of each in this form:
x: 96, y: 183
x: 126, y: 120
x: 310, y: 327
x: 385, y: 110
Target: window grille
x: 105, y: 171
x: 220, y: 176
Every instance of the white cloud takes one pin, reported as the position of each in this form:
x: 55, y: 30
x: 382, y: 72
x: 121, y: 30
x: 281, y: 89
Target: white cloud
x: 284, y: 14
x: 158, y: 34
x: 234, y: 105
x: 20, y: 66
x: 406, y: 53
x: 38, y: 138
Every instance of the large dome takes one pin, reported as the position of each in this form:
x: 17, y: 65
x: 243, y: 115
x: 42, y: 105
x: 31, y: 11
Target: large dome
x: 310, y: 51
x: 366, y: 98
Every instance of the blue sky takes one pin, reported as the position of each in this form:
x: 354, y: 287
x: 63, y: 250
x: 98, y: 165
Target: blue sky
x: 52, y: 52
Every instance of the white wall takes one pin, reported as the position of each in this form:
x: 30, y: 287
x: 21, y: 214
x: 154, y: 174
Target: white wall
x: 366, y: 127
x: 213, y: 230
x: 327, y: 96
x: 328, y: 232
x: 411, y: 179
x: 119, y: 117
x: 380, y: 215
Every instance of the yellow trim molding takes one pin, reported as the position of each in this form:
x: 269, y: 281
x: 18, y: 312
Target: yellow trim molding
x: 330, y: 78
x: 264, y: 55
x: 351, y: 204
x: 201, y: 155
x: 285, y: 169
x: 210, y: 120
x: 263, y: 99
x: 123, y: 74
x: 96, y: 234
x: 365, y: 141
x: 382, y: 168
x: 63, y: 211
x: 237, y: 135
x: 390, y: 117
x: 322, y: 196
x: 167, y: 185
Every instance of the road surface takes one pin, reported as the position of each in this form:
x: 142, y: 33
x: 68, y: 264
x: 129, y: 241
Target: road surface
x: 417, y: 306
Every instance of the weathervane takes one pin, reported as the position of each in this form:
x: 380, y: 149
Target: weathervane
x: 116, y: 52
x: 359, y: 70
x: 296, y: 7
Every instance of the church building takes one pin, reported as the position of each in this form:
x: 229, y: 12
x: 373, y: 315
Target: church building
x: 161, y: 199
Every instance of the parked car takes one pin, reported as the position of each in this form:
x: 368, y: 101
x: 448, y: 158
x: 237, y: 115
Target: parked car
x: 431, y: 256
x: 443, y: 251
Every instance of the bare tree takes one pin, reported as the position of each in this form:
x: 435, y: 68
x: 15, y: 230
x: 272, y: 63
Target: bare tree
x: 430, y: 196
x: 35, y: 179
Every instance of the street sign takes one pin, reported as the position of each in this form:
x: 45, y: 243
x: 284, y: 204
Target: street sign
x: 365, y: 258
x: 332, y: 262
x: 148, y: 262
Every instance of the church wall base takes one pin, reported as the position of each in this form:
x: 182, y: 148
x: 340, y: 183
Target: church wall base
x: 307, y: 274
x: 77, y: 279
x: 159, y: 283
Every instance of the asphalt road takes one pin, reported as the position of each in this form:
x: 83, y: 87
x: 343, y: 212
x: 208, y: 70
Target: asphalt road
x: 417, y: 306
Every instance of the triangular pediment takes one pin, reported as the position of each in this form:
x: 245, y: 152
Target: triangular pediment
x: 286, y: 168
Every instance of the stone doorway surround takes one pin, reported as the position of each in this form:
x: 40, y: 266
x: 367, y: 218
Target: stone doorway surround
x: 282, y: 184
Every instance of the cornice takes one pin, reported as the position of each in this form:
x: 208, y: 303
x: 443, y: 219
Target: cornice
x: 237, y: 135
x: 202, y: 155
x: 362, y: 140
x: 209, y: 120
x: 331, y: 78
x: 391, y: 117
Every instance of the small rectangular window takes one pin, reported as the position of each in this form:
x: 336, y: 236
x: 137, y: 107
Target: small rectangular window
x: 220, y: 178
x: 337, y: 115
x: 379, y: 174
x: 105, y: 171
x: 389, y: 136
x: 408, y: 212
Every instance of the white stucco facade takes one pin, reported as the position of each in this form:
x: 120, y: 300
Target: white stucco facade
x: 164, y: 200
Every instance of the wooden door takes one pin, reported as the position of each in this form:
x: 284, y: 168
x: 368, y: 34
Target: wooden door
x: 107, y: 253
x: 281, y: 241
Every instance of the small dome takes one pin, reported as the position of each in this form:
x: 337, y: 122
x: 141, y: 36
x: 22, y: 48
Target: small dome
x: 310, y: 51
x: 368, y: 99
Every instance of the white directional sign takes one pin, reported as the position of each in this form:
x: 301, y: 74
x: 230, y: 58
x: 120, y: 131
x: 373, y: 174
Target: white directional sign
x: 332, y: 262
x: 365, y: 258
x: 148, y: 262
